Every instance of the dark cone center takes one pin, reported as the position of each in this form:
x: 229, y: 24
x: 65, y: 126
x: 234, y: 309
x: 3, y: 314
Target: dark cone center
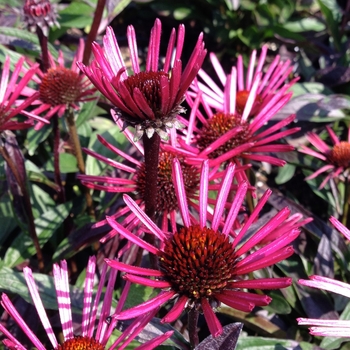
x: 340, y: 155
x: 198, y: 262
x: 60, y: 86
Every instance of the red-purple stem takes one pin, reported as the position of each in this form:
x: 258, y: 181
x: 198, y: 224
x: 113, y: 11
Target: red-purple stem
x: 93, y: 31
x: 193, y: 316
x: 45, y: 62
x: 151, y: 146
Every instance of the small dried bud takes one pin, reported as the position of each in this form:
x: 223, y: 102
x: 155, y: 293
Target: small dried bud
x: 40, y: 13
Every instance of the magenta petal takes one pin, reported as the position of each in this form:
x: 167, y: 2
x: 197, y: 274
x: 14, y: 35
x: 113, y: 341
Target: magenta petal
x: 262, y: 283
x: 147, y: 306
x: 176, y: 310
x: 212, y: 321
x: 236, y: 303
x: 256, y: 299
x: 147, y: 282
x: 131, y: 237
x: 133, y: 269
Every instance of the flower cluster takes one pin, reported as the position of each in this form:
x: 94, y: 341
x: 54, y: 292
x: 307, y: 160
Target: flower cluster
x: 190, y: 208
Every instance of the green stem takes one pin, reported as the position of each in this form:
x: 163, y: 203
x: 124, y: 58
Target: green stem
x: 30, y: 217
x: 193, y: 316
x: 93, y: 31
x: 74, y: 138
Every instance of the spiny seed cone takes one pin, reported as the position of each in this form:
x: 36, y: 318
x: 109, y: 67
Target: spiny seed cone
x: 166, y: 196
x: 198, y: 262
x: 81, y: 343
x: 60, y: 86
x: 340, y: 155
x: 149, y: 85
x: 219, y: 125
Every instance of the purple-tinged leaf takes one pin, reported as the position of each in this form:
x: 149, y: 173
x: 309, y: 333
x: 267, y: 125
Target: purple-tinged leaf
x: 323, y: 263
x: 226, y: 341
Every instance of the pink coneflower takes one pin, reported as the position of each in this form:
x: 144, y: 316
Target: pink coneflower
x: 224, y: 136
x: 131, y: 179
x: 336, y: 157
x: 239, y: 84
x: 61, y: 87
x: 87, y: 339
x: 201, y: 265
x: 218, y: 125
x: 12, y: 102
x: 328, y: 328
x: 149, y: 100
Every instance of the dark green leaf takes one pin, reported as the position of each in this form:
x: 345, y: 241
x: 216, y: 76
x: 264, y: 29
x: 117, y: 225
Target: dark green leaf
x: 285, y: 173
x: 259, y: 343
x: 67, y: 161
x: 22, y: 248
x: 35, y: 137
x: 27, y: 37
x: 86, y: 112
x: 331, y: 22
x: 279, y: 304
x: 14, y: 282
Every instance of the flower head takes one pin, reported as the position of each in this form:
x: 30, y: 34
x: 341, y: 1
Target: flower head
x: 148, y: 100
x: 62, y: 87
x: 40, y: 13
x: 323, y: 327
x: 237, y: 85
x: 232, y: 123
x: 228, y: 136
x: 335, y: 157
x: 202, y: 264
x: 87, y: 339
x: 12, y: 100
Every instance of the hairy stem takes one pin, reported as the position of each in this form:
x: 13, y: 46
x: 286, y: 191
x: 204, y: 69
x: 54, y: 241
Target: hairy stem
x: 29, y: 212
x: 193, y: 316
x: 93, y: 31
x: 74, y: 138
